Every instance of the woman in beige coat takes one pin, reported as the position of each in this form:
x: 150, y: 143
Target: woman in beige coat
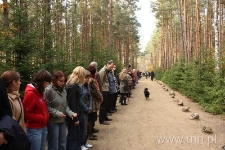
x: 124, y: 87
x: 12, y: 83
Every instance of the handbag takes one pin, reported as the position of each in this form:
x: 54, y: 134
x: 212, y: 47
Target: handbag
x: 125, y: 86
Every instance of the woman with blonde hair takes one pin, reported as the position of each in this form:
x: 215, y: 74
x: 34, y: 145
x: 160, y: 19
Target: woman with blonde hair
x: 124, y: 87
x: 76, y: 79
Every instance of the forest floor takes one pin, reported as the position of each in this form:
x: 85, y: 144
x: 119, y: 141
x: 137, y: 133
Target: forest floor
x: 159, y: 123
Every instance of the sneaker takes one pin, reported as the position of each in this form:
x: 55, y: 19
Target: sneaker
x: 88, y: 145
x: 109, y: 114
x: 83, y: 147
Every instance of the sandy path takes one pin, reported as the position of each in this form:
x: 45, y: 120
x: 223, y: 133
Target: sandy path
x: 148, y: 125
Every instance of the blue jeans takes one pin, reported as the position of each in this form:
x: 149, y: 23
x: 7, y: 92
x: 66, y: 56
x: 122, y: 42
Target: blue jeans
x: 57, y: 136
x: 73, y: 137
x: 37, y: 138
x: 83, y: 128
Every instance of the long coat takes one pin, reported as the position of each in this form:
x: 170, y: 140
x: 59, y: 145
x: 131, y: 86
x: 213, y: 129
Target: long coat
x: 96, y: 95
x: 127, y: 79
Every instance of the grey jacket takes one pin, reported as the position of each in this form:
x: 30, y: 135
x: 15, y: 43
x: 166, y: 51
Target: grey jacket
x: 103, y: 73
x: 57, y: 104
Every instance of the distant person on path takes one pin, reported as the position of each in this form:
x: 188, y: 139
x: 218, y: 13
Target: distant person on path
x: 36, y: 111
x: 152, y: 75
x: 146, y: 74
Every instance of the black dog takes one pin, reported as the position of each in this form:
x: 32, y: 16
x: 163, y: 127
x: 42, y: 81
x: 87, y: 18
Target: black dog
x: 146, y: 92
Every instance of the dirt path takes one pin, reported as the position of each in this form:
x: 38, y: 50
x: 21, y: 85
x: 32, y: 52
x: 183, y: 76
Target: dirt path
x: 159, y: 124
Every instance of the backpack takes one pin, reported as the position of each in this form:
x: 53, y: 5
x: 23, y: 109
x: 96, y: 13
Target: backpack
x: 125, y: 86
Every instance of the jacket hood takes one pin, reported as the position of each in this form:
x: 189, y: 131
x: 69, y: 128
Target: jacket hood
x: 30, y: 87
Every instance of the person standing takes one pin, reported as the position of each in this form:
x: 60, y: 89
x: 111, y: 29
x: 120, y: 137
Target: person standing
x: 55, y: 95
x: 103, y: 73
x: 12, y: 82
x: 124, y: 79
x: 76, y: 79
x: 116, y: 82
x: 152, y: 75
x: 96, y: 100
x: 98, y: 82
x: 86, y: 107
x: 36, y: 111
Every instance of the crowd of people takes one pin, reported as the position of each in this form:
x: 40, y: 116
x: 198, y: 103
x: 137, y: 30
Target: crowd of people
x: 149, y: 74
x: 53, y: 104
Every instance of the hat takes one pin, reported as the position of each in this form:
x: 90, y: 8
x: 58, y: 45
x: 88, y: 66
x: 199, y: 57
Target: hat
x: 146, y: 89
x: 194, y: 116
x: 207, y: 129
x: 186, y: 109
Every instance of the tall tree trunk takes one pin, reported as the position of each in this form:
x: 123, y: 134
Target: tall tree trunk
x: 216, y: 5
x: 185, y: 30
x: 182, y: 49
x: 198, y: 30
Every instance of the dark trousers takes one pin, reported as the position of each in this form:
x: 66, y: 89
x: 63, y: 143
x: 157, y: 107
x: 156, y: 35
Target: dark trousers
x: 123, y: 98
x: 73, y: 137
x: 103, y: 106
x: 152, y: 78
x: 113, y: 102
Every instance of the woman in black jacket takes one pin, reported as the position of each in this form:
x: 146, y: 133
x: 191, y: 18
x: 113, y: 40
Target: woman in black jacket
x: 73, y: 98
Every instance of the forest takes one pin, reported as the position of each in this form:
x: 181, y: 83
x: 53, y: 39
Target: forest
x: 63, y: 34
x: 187, y: 47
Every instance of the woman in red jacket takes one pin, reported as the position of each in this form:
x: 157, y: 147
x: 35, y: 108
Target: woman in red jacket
x: 35, y: 110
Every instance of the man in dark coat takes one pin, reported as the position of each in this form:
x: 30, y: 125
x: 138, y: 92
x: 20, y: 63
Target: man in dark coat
x: 12, y: 135
x: 152, y: 75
